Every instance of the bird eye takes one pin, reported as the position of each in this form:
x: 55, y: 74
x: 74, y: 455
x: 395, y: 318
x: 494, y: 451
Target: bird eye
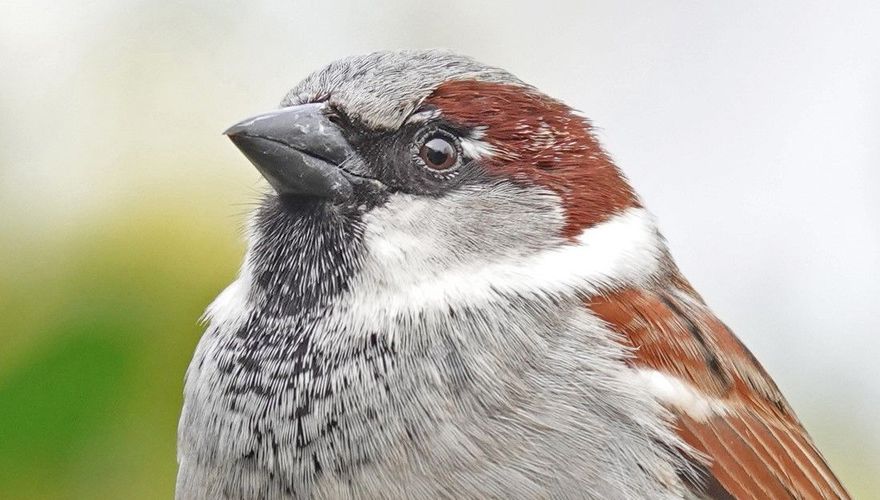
x: 438, y: 153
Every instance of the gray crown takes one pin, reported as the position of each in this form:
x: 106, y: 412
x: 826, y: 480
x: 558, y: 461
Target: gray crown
x: 385, y: 87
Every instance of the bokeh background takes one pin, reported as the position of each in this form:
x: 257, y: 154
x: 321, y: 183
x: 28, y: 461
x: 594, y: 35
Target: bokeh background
x: 751, y: 129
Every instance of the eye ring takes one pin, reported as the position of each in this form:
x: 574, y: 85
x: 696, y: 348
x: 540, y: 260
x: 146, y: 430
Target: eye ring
x: 438, y: 152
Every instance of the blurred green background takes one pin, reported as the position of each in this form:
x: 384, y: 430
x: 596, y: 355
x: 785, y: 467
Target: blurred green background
x: 121, y: 205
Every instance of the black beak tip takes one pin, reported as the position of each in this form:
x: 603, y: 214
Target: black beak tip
x: 234, y: 130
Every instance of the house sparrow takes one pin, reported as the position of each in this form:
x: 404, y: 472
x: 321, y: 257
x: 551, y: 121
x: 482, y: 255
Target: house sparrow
x: 453, y: 292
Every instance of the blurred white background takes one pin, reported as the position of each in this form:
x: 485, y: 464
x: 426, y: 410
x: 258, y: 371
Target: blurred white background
x: 750, y: 128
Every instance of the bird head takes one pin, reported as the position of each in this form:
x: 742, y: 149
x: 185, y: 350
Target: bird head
x: 428, y: 161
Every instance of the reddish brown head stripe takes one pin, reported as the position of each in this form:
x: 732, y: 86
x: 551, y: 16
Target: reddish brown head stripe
x: 542, y: 141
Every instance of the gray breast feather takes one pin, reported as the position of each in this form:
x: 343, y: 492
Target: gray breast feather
x: 522, y: 398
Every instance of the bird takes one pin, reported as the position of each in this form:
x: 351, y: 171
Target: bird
x: 450, y: 290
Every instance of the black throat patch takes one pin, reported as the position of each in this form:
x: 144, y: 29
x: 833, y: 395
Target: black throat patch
x: 304, y: 254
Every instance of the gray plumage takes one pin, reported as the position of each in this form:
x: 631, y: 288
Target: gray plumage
x: 383, y: 88
x: 352, y: 357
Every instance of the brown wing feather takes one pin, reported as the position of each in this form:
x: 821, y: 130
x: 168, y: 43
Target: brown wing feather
x: 756, y: 446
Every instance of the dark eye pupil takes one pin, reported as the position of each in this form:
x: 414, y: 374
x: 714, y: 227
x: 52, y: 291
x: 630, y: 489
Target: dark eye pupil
x: 438, y: 154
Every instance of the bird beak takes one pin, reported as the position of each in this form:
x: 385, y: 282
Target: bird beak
x: 297, y: 149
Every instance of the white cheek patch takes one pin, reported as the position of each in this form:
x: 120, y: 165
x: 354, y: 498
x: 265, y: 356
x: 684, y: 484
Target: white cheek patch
x: 679, y: 394
x: 625, y: 250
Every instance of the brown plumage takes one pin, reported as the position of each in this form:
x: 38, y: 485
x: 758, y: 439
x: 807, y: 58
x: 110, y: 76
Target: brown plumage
x: 755, y: 445
x: 539, y: 140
